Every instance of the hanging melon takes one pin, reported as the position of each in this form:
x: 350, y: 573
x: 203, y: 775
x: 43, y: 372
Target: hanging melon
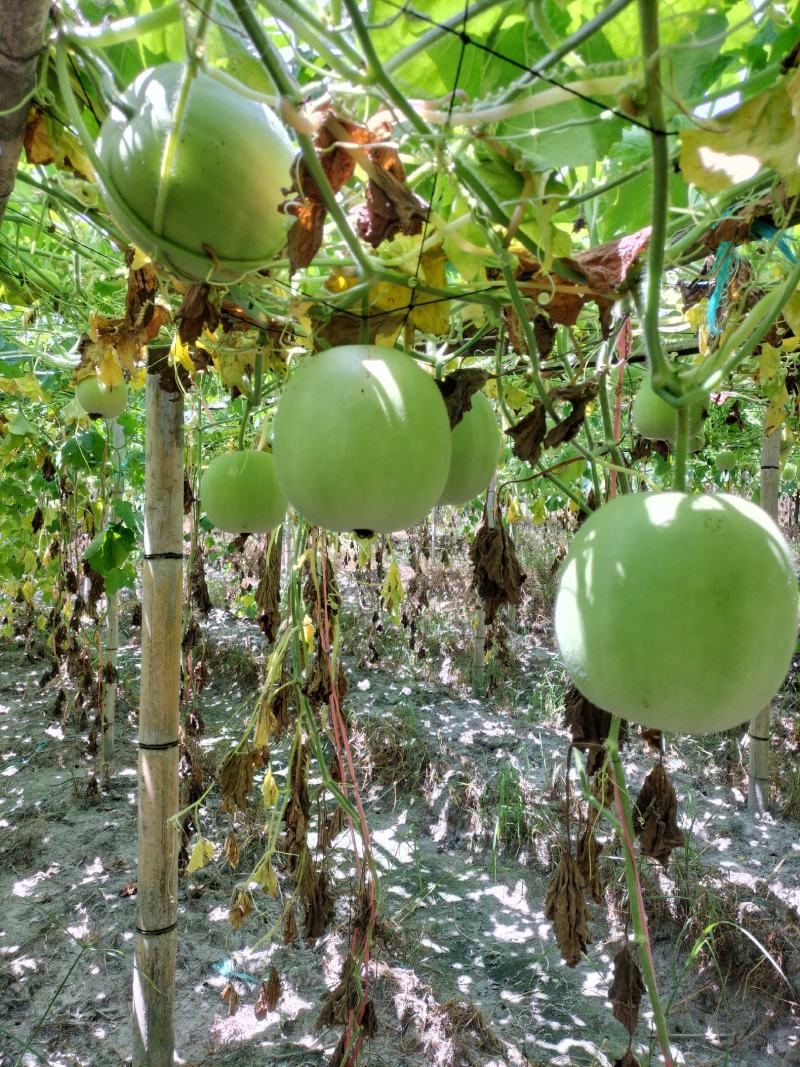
x: 362, y: 440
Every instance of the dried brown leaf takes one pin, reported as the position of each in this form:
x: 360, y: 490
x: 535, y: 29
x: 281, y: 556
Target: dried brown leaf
x: 529, y: 434
x: 579, y: 396
x: 231, y: 849
x: 628, y: 1060
x: 457, y: 390
x: 305, y: 235
x: 565, y: 906
x: 497, y: 575
x: 627, y: 989
x: 655, y: 816
x: 289, y: 929
x: 268, y: 591
x: 588, y: 854
x: 235, y: 778
x: 240, y: 909
x: 318, y: 906
x: 231, y: 998
x: 589, y: 724
x: 343, y: 998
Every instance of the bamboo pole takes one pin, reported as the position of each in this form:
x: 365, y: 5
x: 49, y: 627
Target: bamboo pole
x: 758, y: 772
x: 156, y: 898
x: 111, y: 645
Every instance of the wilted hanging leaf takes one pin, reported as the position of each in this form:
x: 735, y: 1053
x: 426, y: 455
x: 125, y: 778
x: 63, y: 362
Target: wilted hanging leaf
x: 391, y: 207
x: 497, y: 575
x: 231, y: 997
x: 269, y: 790
x: 628, y: 1060
x: 369, y: 1019
x: 46, y: 141
x: 579, y: 396
x: 265, y: 876
x: 268, y: 995
x: 653, y: 739
x: 202, y: 853
x: 627, y: 989
x: 240, y: 909
x: 318, y: 904
x: 529, y: 434
x: 457, y: 390
x: 231, y: 849
x: 588, y: 723
x: 235, y: 778
x: 588, y: 855
x: 268, y: 591
x: 342, y: 999
x: 655, y: 815
x: 565, y: 906
x: 199, y: 310
x: 289, y: 929
x: 198, y: 586
x: 392, y: 592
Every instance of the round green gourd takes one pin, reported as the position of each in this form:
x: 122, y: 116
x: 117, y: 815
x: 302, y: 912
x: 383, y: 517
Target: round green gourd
x: 726, y: 461
x: 657, y: 420
x: 475, y: 447
x: 214, y: 214
x: 99, y: 400
x: 678, y: 612
x: 362, y: 440
x: 240, y: 493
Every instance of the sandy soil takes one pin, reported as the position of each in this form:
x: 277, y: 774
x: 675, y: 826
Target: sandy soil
x: 468, y: 972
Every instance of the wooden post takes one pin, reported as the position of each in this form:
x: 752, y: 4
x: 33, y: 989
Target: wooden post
x: 156, y: 897
x: 111, y: 645
x: 758, y: 777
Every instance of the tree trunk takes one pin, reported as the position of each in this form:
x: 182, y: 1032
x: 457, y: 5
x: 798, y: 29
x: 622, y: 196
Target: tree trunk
x: 111, y: 646
x: 22, y: 26
x: 758, y: 779
x: 156, y: 898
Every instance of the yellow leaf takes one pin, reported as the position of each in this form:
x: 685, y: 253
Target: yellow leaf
x: 202, y: 853
x: 773, y: 384
x: 265, y: 876
x: 696, y: 315
x: 269, y: 790
x: 539, y: 511
x: 140, y: 259
x: 29, y: 561
x: 392, y: 592
x: 179, y: 353
x: 792, y: 312
x: 514, y: 513
x: 761, y: 132
x: 27, y: 590
x: 308, y: 633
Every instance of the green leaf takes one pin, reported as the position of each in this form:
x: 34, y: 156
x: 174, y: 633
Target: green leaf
x: 86, y: 451
x: 109, y: 551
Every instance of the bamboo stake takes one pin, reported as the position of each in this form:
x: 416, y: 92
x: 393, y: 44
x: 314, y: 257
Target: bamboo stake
x: 156, y: 898
x: 111, y: 647
x: 758, y: 771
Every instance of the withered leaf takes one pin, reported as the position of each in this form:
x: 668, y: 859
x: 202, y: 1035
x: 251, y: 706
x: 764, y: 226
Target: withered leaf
x: 343, y: 998
x: 565, y: 906
x: 268, y: 591
x: 37, y: 521
x: 231, y: 849
x: 588, y: 854
x: 457, y: 390
x: 235, y: 778
x: 191, y: 635
x: 268, y: 995
x: 544, y: 331
x: 231, y: 997
x: 369, y: 1019
x: 579, y: 396
x: 529, y: 434
x: 198, y: 586
x: 289, y: 929
x: 627, y: 989
x: 318, y: 904
x: 305, y: 236
x: 607, y: 267
x: 628, y: 1060
x: 653, y: 739
x: 199, y: 310
x: 497, y: 575
x: 391, y: 207
x: 589, y: 724
x: 240, y: 909
x: 655, y: 816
